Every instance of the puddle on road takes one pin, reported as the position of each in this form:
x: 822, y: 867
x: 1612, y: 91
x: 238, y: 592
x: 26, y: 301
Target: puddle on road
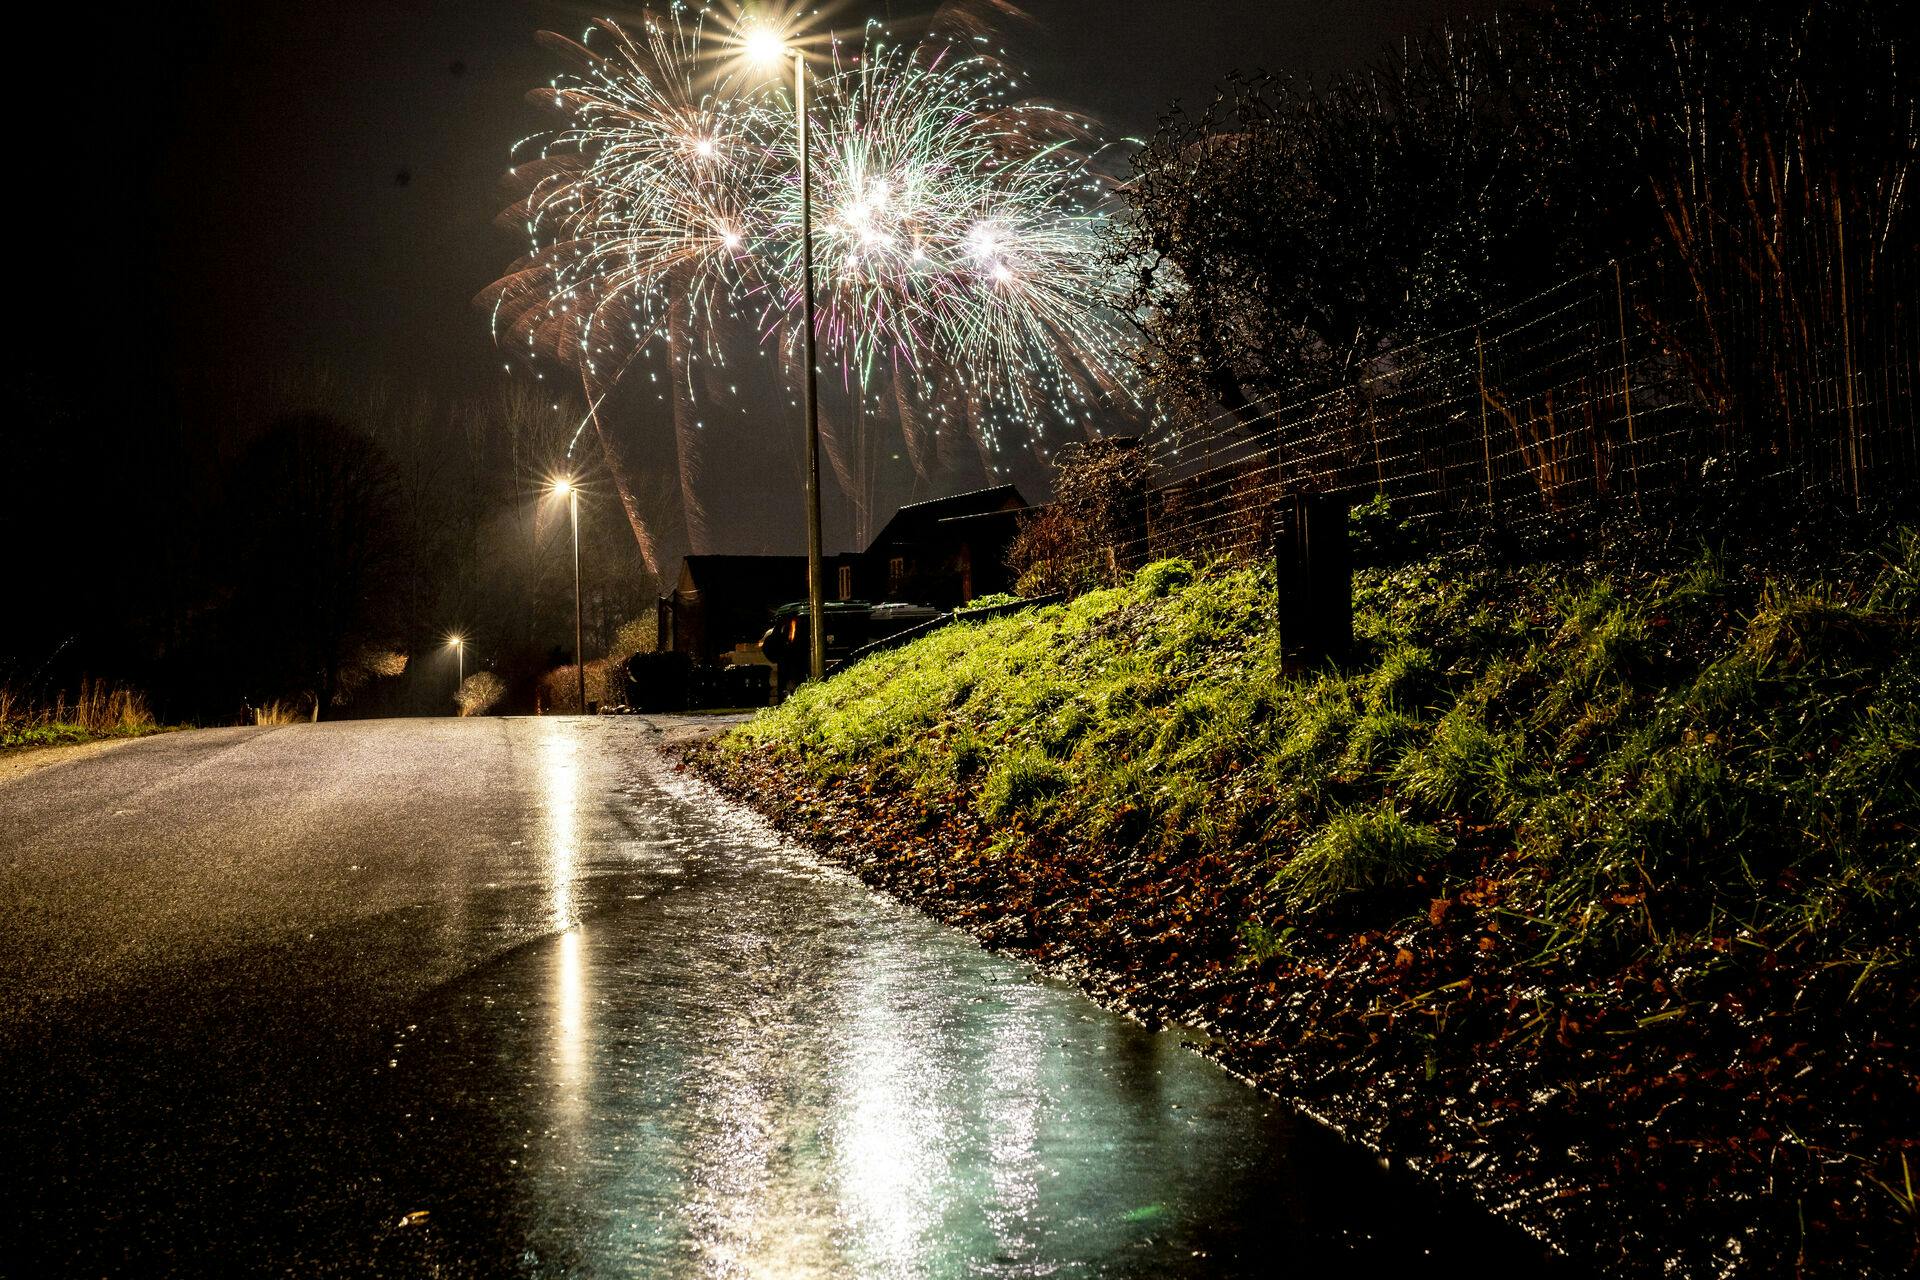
x: 750, y: 1065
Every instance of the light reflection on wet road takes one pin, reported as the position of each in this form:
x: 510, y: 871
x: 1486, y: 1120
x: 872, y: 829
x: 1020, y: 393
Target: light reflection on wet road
x: 727, y: 1061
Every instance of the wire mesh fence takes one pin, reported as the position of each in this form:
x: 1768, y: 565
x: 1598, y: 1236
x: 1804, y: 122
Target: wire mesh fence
x: 1623, y: 387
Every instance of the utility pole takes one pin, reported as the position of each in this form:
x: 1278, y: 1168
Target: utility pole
x: 816, y: 569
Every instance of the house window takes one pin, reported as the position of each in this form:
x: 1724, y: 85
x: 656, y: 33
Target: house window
x: 896, y: 574
x: 846, y: 582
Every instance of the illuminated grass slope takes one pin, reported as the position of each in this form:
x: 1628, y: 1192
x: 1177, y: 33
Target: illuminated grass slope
x: 1594, y: 882
x: 1746, y: 751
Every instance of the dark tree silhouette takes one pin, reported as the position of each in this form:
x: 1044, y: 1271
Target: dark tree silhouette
x: 1763, y: 154
x: 316, y: 543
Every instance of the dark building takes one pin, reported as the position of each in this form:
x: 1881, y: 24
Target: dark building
x: 943, y: 552
x: 723, y: 604
x: 946, y: 551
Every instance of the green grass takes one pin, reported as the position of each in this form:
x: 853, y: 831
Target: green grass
x: 1359, y: 849
x: 42, y: 735
x: 98, y: 710
x: 1561, y: 859
x: 1745, y: 748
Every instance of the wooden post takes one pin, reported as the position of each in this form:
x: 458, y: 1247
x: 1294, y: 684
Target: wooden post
x: 1846, y: 346
x: 1313, y: 575
x: 1626, y: 381
x: 1486, y: 441
x: 1373, y: 429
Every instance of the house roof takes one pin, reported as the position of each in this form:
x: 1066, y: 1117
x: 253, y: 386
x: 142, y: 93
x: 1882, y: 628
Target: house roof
x: 1003, y: 516
x: 755, y: 574
x: 919, y: 520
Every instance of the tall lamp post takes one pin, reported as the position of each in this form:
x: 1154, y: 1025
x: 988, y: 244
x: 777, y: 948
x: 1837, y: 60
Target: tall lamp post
x: 458, y: 643
x: 566, y: 488
x: 765, y: 45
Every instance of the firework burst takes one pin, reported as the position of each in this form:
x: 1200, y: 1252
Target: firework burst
x: 957, y: 228
x: 958, y: 283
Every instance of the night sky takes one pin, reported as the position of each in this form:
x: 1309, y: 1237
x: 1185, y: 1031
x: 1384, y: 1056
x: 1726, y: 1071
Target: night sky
x: 228, y: 193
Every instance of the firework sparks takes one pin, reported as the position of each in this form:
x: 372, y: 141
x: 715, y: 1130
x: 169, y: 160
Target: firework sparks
x: 954, y: 230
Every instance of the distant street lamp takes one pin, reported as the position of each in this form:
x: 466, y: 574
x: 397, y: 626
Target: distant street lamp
x: 765, y: 45
x: 458, y: 643
x: 566, y: 488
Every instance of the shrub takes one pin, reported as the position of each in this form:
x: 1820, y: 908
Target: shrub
x: 636, y: 635
x: 1379, y: 536
x: 280, y: 712
x: 480, y: 693
x: 1083, y: 538
x: 559, y: 688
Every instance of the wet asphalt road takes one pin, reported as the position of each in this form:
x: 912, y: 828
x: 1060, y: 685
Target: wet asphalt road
x: 512, y: 997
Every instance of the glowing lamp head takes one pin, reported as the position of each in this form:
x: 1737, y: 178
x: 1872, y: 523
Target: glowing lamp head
x: 456, y: 641
x: 763, y: 45
x: 562, y: 487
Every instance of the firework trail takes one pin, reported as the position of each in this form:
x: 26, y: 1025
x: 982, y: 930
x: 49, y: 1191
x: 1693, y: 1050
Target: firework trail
x: 959, y: 287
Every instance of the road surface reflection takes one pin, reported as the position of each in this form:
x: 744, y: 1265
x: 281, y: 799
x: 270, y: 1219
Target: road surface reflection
x: 752, y: 1066
x: 560, y: 793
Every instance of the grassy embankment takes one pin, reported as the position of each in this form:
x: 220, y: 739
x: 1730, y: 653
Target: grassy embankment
x: 100, y: 710
x: 1597, y: 888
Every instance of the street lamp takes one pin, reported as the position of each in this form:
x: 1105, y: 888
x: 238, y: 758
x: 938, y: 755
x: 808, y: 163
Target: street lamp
x: 458, y: 643
x: 765, y: 45
x: 565, y: 487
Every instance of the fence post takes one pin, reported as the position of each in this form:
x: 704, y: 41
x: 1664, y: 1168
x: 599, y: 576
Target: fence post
x: 1373, y: 429
x: 1486, y: 441
x: 1846, y: 346
x: 1313, y: 578
x: 1626, y: 381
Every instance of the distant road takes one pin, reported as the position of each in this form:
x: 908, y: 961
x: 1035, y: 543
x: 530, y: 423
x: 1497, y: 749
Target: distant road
x: 238, y: 859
